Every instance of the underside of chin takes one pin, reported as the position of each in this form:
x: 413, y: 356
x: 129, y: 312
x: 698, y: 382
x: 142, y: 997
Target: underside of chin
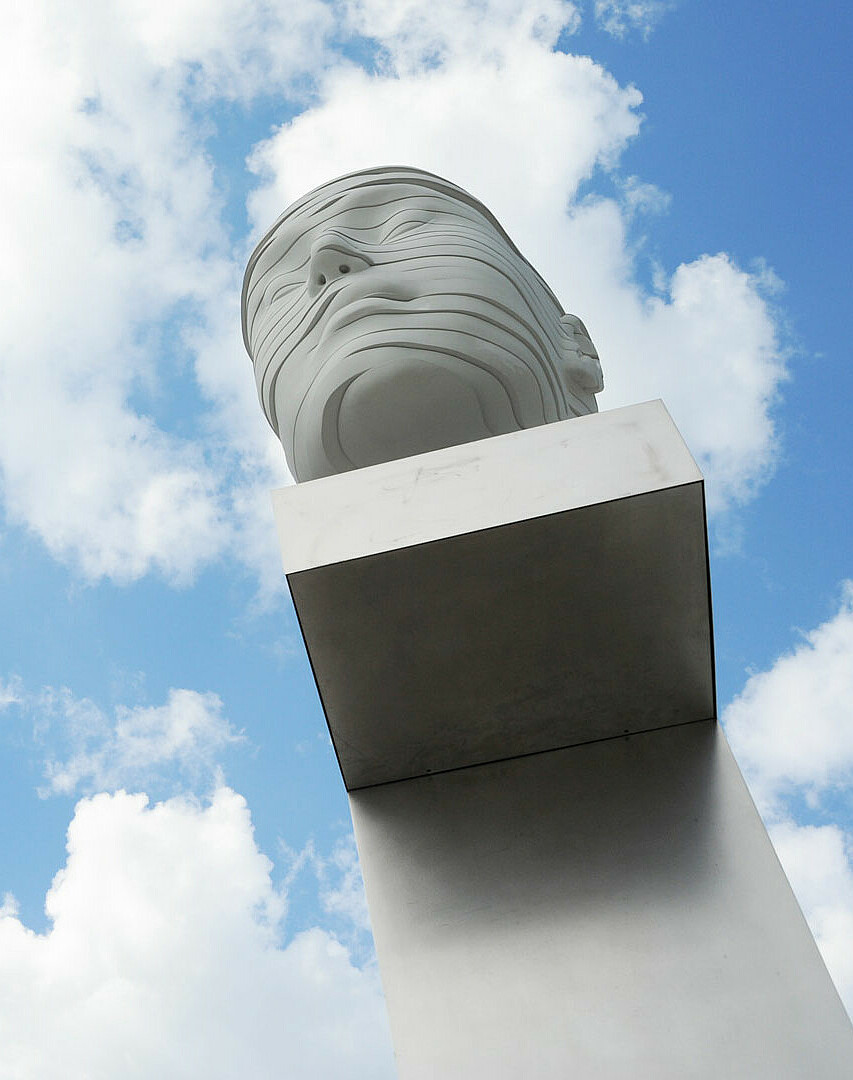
x: 408, y: 403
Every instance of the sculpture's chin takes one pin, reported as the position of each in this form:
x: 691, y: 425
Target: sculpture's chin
x: 411, y: 406
x: 386, y: 403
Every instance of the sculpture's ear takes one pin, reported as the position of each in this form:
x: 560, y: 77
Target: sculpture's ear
x: 580, y: 358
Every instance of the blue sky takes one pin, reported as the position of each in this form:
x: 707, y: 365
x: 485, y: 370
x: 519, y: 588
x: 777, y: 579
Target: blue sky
x: 680, y: 172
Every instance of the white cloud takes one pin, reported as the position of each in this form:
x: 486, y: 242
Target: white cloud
x: 413, y: 35
x: 164, y: 958
x: 231, y: 48
x: 640, y: 197
x: 112, y: 244
x: 618, y: 17
x: 117, y: 272
x: 791, y: 727
x: 522, y: 127
x: 709, y: 346
x: 342, y: 888
x: 186, y: 734
x: 10, y: 692
x: 817, y: 860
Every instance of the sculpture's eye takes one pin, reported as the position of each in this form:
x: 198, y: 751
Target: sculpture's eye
x: 403, y: 228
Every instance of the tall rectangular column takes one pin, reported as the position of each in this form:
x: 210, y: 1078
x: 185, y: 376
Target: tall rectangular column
x: 613, y: 911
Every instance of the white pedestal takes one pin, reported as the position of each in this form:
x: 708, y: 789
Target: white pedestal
x: 519, y: 594
x: 566, y: 875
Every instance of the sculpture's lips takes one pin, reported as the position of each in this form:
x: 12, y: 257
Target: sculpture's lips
x: 355, y: 310
x: 350, y: 306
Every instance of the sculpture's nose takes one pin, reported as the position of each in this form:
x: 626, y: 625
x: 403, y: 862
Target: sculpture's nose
x: 333, y: 256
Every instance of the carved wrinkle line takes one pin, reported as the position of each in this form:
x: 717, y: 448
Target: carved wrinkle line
x: 269, y: 394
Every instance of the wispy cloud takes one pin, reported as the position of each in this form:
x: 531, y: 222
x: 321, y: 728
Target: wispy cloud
x: 336, y: 877
x: 128, y: 749
x: 87, y: 748
x: 10, y: 692
x: 619, y: 17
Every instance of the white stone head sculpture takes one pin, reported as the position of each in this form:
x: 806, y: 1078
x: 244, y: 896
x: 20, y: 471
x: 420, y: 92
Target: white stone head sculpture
x: 387, y: 313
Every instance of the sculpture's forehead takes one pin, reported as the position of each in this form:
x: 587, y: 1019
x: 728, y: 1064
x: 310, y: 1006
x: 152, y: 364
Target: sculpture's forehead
x: 365, y: 209
x: 377, y: 208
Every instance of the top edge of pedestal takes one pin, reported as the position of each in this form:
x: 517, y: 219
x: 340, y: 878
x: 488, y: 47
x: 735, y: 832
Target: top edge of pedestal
x: 479, y: 485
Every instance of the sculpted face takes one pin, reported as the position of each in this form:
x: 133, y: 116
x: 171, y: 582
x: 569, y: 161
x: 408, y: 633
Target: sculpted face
x: 387, y: 314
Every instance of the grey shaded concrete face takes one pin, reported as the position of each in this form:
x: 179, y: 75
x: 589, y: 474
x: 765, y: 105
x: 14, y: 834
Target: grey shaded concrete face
x: 388, y: 314
x: 610, y: 912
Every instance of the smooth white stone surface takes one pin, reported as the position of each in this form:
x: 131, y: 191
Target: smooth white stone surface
x: 610, y: 912
x: 510, y: 596
x: 460, y: 489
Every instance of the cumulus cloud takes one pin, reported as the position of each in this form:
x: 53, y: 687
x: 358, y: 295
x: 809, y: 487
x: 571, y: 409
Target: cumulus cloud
x: 791, y: 726
x: 817, y: 860
x: 165, y: 957
x: 232, y: 48
x: 517, y: 123
x: 90, y: 750
x: 114, y: 250
x: 791, y: 729
x: 524, y: 127
x: 709, y: 345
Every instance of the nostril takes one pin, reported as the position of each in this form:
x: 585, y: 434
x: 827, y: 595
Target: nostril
x: 332, y: 258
